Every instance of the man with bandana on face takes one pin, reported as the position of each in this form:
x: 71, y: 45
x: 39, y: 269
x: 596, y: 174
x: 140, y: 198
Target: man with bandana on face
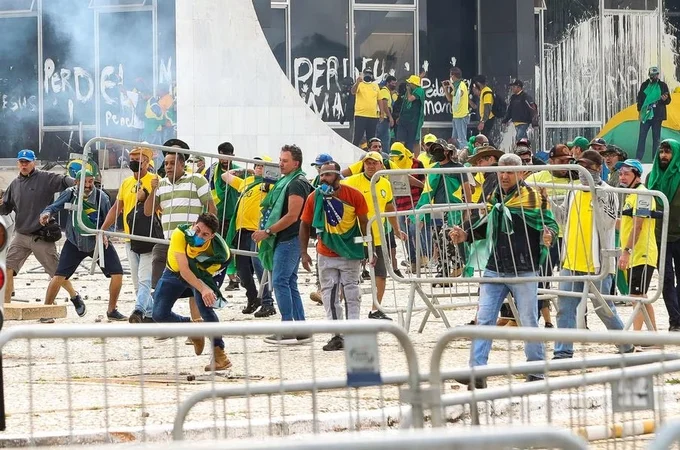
x: 339, y: 214
x: 665, y: 177
x: 584, y: 238
x: 80, y: 245
x: 126, y: 202
x: 652, y: 99
x: 196, y: 258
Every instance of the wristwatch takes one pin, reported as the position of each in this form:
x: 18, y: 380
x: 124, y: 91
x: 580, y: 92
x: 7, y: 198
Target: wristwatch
x: 628, y: 250
x: 268, y: 231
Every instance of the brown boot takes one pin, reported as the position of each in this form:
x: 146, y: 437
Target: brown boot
x: 221, y: 361
x: 199, y: 344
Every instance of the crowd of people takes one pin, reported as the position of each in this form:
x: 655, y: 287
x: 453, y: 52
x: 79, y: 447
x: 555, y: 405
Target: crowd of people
x: 507, y: 223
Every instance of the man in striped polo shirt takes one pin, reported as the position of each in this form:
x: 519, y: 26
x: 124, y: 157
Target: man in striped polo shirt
x: 180, y: 198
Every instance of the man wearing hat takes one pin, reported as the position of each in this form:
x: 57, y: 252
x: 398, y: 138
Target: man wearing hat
x: 521, y: 110
x: 424, y: 157
x: 652, y: 99
x: 373, y: 162
x: 523, y: 150
x: 80, y: 244
x: 27, y: 195
x: 321, y: 159
x: 126, y: 203
x: 485, y: 182
x: 366, y: 108
x: 638, y: 240
x: 473, y: 144
x: 600, y: 145
x: 253, y: 190
x: 613, y: 155
x: 584, y: 239
x: 412, y: 114
x: 578, y: 146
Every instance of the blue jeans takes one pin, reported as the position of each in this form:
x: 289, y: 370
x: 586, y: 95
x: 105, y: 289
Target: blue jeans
x: 406, y: 134
x: 566, y: 312
x: 655, y: 125
x: 284, y: 279
x: 169, y: 289
x: 382, y: 132
x: 140, y: 269
x: 521, y: 131
x: 459, y: 131
x: 491, y: 297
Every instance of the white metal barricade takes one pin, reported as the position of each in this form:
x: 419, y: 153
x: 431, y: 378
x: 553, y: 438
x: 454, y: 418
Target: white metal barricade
x: 667, y: 437
x: 456, y: 287
x: 69, y: 383
x: 624, y: 395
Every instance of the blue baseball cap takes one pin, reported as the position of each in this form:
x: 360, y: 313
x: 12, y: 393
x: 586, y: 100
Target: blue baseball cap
x: 321, y: 159
x: 632, y: 163
x: 27, y: 155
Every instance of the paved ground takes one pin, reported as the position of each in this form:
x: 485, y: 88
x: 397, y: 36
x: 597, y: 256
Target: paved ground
x: 126, y: 385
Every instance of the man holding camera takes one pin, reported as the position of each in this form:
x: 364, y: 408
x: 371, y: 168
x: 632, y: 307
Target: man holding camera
x: 365, y: 107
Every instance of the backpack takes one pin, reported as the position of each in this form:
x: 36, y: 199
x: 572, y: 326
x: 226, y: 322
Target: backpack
x: 500, y: 106
x: 144, y: 225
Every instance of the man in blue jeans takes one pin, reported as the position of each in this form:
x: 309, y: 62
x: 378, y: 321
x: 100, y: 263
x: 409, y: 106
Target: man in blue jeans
x: 584, y: 239
x: 197, y: 259
x: 278, y: 238
x: 521, y: 230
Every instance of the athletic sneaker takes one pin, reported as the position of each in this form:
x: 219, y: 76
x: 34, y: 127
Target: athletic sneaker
x: 284, y: 340
x: 116, y: 316
x: 336, y: 343
x: 78, y: 303
x: 265, y: 311
x: 378, y: 315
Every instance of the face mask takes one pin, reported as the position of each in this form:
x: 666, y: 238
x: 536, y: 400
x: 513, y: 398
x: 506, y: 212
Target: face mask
x: 326, y: 190
x: 194, y: 240
x: 584, y: 179
x: 134, y: 166
x: 368, y: 78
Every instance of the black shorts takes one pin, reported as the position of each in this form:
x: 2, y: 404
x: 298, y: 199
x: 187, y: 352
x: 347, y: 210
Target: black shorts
x: 379, y: 270
x: 393, y: 240
x: 70, y: 258
x: 639, y: 278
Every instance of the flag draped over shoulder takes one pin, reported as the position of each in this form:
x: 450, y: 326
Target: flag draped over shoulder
x: 451, y: 185
x: 231, y: 233
x: 205, y: 266
x: 272, y: 207
x: 336, y: 225
x: 224, y: 196
x: 524, y: 202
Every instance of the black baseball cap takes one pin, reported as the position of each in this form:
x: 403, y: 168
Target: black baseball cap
x: 518, y: 83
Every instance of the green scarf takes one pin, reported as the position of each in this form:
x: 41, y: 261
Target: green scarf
x: 224, y: 196
x: 199, y: 265
x: 523, y: 202
x: 272, y: 208
x: 339, y: 238
x: 652, y: 95
x: 231, y: 233
x: 452, y: 184
x: 666, y: 181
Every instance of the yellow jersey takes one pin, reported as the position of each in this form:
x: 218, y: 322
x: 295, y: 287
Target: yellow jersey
x: 366, y: 103
x: 248, y: 213
x: 645, y: 250
x: 384, y: 190
x: 128, y: 194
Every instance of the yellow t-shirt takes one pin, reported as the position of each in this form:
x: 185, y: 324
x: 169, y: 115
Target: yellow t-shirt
x: 479, y: 180
x: 128, y: 194
x: 579, y: 253
x: 486, y: 101
x: 358, y: 166
x: 248, y: 213
x: 385, y: 94
x: 426, y: 160
x: 384, y: 190
x: 178, y: 244
x: 645, y: 250
x: 366, y: 103
x: 555, y: 193
x: 463, y: 108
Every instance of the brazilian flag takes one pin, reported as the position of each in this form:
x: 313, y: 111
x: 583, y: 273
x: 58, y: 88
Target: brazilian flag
x: 337, y: 226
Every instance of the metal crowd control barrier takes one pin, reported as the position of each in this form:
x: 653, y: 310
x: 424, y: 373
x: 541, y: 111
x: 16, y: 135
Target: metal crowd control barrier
x: 634, y: 395
x: 438, y: 246
x: 99, y: 383
x: 667, y: 437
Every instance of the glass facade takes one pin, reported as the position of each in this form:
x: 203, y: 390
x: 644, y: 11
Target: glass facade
x: 399, y: 37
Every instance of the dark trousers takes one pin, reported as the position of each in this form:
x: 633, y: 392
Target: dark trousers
x: 655, y: 125
x: 247, y: 266
x: 671, y: 281
x: 364, y: 125
x: 172, y: 287
x: 489, y: 129
x: 406, y: 134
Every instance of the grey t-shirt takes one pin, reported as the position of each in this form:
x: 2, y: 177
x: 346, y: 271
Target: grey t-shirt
x: 29, y: 196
